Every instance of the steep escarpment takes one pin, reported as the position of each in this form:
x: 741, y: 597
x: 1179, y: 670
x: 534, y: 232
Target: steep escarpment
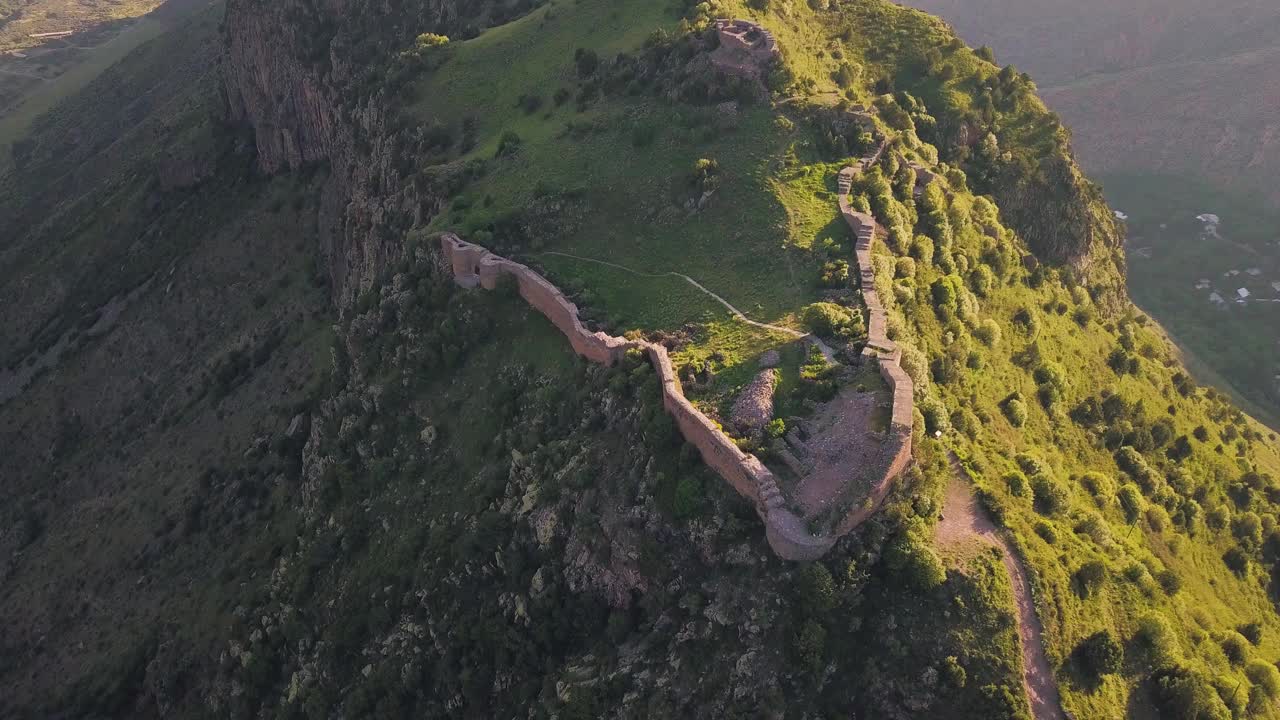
x: 314, y: 85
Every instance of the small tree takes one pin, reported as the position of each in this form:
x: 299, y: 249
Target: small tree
x: 914, y: 560
x: 1091, y: 577
x: 1016, y: 411
x: 1235, y: 647
x: 1131, y: 502
x: 988, y: 332
x: 1101, y: 654
x: 953, y: 672
x: 1265, y: 676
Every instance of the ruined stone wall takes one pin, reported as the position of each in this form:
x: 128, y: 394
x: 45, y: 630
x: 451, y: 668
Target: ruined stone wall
x: 879, y: 346
x: 474, y: 266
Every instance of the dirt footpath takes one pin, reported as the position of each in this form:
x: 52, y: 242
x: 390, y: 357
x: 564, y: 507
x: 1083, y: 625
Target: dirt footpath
x: 965, y: 527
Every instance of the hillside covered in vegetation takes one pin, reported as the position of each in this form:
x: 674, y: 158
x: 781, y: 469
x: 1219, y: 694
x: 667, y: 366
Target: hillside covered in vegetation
x: 358, y: 489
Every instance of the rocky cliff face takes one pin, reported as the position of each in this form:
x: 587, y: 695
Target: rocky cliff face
x: 306, y: 76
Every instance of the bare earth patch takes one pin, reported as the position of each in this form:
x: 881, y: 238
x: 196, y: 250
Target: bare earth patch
x: 842, y: 452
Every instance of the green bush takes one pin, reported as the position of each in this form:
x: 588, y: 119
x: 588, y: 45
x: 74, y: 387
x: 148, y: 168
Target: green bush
x: 914, y: 560
x: 431, y: 40
x: 1252, y: 632
x: 1046, y: 532
x: 830, y: 320
x: 1265, y: 676
x: 982, y: 280
x: 1156, y: 635
x: 953, y: 672
x: 817, y: 588
x: 1182, y: 693
x: 1051, y: 496
x: 1101, y: 654
x: 905, y: 267
x: 1016, y: 411
x: 1091, y: 576
x: 776, y: 428
x: 1016, y: 482
x: 1131, y: 502
x: 688, y: 496
x: 935, y: 416
x: 988, y: 332
x: 1235, y: 647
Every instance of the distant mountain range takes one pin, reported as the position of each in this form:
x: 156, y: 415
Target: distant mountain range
x: 1176, y: 87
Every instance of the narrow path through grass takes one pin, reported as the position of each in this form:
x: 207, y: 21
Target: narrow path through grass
x: 736, y: 312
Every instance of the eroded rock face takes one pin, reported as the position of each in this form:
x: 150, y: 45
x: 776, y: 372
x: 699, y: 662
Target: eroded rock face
x: 289, y: 72
x: 754, y: 407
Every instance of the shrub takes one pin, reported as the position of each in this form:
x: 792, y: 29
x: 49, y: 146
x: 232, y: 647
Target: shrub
x: 587, y: 61
x: 1131, y: 461
x: 829, y: 319
x: 944, y: 294
x: 1096, y: 529
x: 1101, y: 654
x: 1236, y: 560
x: 935, y: 416
x: 953, y: 672
x: 430, y: 40
x: 508, y: 144
x: 982, y: 280
x: 1252, y: 632
x: 835, y: 274
x: 1169, y: 581
x: 1046, y: 532
x: 817, y: 588
x: 1016, y: 411
x: 1017, y: 483
x: 1235, y: 647
x: 1182, y: 693
x: 905, y: 268
x: 1030, y: 464
x: 688, y: 496
x: 811, y: 643
x: 705, y: 175
x: 1099, y: 486
x: 1265, y: 676
x: 1091, y: 576
x: 1131, y: 502
x: 965, y: 421
x: 776, y: 428
x: 922, y: 250
x: 1247, y: 528
x: 1051, y: 496
x: 915, y: 364
x: 913, y: 559
x: 1157, y: 637
x: 988, y: 332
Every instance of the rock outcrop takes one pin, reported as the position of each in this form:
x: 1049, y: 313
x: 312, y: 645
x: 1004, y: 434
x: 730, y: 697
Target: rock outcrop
x: 290, y: 72
x: 754, y: 407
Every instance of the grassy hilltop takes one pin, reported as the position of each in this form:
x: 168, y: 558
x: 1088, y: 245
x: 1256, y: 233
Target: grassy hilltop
x: 424, y: 504
x: 1141, y: 501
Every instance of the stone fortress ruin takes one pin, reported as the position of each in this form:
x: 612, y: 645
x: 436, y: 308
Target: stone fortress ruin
x: 746, y: 49
x: 787, y: 531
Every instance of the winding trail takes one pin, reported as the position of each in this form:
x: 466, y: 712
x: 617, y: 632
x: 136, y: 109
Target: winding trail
x: 963, y: 525
x: 826, y: 351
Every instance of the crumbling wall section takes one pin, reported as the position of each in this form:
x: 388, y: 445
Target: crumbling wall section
x: 475, y: 266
